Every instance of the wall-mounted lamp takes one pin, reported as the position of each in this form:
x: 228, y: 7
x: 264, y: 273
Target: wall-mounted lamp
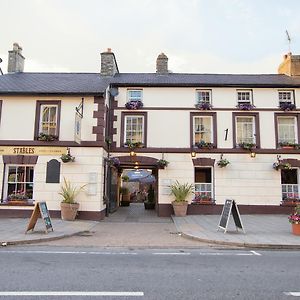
x: 253, y: 154
x: 193, y: 152
x: 132, y: 153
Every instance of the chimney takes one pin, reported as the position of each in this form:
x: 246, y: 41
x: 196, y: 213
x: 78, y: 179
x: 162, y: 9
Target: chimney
x: 162, y: 64
x: 109, y: 65
x: 290, y: 65
x: 15, y: 59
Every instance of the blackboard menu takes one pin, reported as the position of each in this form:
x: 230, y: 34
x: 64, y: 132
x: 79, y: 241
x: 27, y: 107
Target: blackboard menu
x: 45, y: 215
x: 230, y: 207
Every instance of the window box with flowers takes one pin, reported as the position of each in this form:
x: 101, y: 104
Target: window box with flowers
x: 203, y: 198
x: 287, y: 106
x: 294, y: 219
x: 47, y: 137
x: 162, y: 163
x: 134, y: 104
x: 247, y: 146
x: 17, y: 199
x: 203, y: 106
x: 288, y: 145
x: 133, y: 145
x: 245, y: 106
x: 291, y: 200
x: 204, y: 145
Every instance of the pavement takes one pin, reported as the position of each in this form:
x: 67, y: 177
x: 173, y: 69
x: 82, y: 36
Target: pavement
x: 134, y: 227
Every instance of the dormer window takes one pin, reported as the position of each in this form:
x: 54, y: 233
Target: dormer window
x: 244, y: 97
x: 135, y: 95
x: 203, y: 96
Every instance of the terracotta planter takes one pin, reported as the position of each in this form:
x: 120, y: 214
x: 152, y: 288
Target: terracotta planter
x: 296, y: 229
x: 180, y: 208
x: 69, y: 211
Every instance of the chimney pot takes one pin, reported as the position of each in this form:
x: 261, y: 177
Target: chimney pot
x: 162, y: 64
x: 109, y: 65
x: 15, y: 59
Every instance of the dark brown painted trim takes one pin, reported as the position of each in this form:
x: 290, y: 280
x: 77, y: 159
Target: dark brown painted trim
x: 51, y: 94
x: 199, y: 151
x: 26, y: 213
x: 0, y: 110
x: 293, y: 162
x: 134, y: 113
x: 51, y: 144
x: 38, y: 113
x: 204, y: 162
x: 193, y: 109
x: 257, y: 129
x: 20, y: 159
x: 99, y: 114
x: 285, y: 114
x: 214, y: 124
x: 166, y: 210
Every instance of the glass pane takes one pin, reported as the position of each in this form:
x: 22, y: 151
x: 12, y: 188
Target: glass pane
x: 11, y: 189
x: 12, y: 174
x: 21, y: 174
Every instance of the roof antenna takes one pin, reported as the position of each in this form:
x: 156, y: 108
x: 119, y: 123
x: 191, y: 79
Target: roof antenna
x: 289, y: 40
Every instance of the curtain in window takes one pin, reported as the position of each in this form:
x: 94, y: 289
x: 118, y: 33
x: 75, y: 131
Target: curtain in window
x: 48, y: 119
x: 245, y: 130
x: 202, y: 129
x: 134, y: 129
x: 286, y: 130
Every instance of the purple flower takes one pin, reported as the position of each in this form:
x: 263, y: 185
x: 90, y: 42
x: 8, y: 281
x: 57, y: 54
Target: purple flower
x: 134, y: 104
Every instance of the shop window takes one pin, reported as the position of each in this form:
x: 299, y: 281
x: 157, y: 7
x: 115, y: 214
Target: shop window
x: 19, y: 180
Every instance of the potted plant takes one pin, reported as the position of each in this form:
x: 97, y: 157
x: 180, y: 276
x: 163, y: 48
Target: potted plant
x: 202, y: 144
x: 287, y: 106
x: 279, y: 165
x: 150, y: 202
x: 180, y: 192
x: 125, y: 178
x: 223, y: 162
x: 69, y: 207
x: 17, y: 198
x: 67, y: 158
x: 162, y: 163
x: 294, y: 219
x: 245, y: 106
x: 134, y: 104
x: 203, y: 106
x: 125, y: 200
x: 47, y: 137
x: 247, y: 146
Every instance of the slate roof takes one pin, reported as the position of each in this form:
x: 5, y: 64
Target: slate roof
x: 53, y: 83
x: 206, y: 80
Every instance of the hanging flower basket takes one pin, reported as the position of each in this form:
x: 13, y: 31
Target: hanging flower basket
x: 222, y: 163
x: 113, y: 162
x: 279, y: 165
x: 162, y: 163
x: 67, y: 158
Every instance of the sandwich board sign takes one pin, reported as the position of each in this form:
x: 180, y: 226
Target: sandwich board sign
x: 40, y: 210
x: 230, y: 207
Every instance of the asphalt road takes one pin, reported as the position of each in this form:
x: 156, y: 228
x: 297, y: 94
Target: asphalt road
x: 98, y: 273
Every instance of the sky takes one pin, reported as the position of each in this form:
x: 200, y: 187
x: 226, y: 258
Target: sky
x: 198, y: 36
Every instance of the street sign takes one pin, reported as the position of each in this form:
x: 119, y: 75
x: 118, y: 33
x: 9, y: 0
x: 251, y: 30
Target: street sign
x: 229, y: 207
x: 40, y: 210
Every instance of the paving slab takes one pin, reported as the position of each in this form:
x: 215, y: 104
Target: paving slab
x: 261, y: 231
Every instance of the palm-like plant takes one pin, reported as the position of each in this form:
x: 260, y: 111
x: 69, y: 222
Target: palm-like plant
x: 69, y: 192
x: 181, y: 191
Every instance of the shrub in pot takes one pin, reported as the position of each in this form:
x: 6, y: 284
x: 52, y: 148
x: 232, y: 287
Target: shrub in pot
x: 150, y: 202
x: 180, y: 191
x: 69, y: 207
x: 124, y: 191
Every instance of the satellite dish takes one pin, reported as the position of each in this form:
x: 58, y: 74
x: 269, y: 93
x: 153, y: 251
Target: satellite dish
x: 114, y: 92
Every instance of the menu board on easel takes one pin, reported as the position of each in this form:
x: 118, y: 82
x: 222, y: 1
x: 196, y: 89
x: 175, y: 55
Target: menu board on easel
x: 40, y: 211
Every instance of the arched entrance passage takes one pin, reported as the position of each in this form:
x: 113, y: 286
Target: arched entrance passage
x: 136, y: 188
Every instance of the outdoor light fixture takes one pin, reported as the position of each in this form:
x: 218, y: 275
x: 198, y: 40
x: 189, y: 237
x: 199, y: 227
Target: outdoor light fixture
x: 132, y: 153
x: 253, y: 154
x: 193, y: 154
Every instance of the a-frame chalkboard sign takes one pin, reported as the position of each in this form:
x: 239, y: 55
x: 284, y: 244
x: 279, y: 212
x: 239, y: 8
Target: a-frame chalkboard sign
x: 40, y: 210
x: 228, y: 208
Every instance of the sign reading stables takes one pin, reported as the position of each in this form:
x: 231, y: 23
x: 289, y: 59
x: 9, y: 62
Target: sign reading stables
x: 24, y: 150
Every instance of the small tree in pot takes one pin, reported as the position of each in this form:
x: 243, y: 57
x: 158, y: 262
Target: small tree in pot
x: 69, y: 207
x: 180, y: 192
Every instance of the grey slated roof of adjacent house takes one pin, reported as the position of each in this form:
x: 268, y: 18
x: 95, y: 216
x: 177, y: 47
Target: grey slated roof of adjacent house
x: 53, y: 83
x: 205, y: 80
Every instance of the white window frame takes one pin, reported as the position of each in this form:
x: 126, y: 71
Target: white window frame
x: 132, y: 98
x: 204, y: 131
x: 253, y: 129
x: 283, y: 98
x: 241, y: 93
x: 203, y: 185
x: 199, y: 101
x: 6, y: 182
x: 295, y: 140
x: 125, y: 127
x: 291, y: 189
x: 42, y: 107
